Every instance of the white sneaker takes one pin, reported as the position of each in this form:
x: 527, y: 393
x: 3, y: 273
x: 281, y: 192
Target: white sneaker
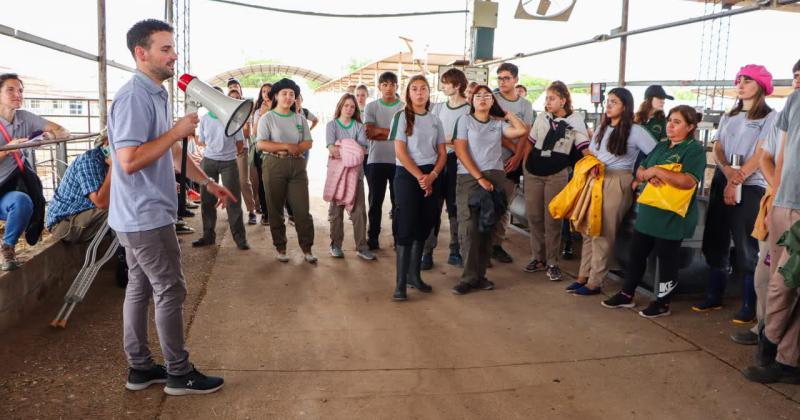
x: 366, y: 255
x: 310, y: 258
x: 283, y: 256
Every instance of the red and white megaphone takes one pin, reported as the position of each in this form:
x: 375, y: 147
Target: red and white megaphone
x: 232, y: 112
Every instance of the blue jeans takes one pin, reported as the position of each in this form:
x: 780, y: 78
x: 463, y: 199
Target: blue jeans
x: 16, y: 209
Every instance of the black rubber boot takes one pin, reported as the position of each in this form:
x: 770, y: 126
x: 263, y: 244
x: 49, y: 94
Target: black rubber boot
x: 403, y: 261
x: 766, y: 351
x: 717, y: 279
x: 414, y: 276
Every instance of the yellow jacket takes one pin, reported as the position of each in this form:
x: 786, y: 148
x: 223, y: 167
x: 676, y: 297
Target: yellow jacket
x: 760, y: 229
x: 570, y: 203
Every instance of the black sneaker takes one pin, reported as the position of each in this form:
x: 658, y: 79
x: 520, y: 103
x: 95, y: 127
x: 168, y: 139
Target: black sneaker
x: 745, y: 338
x: 373, y: 244
x: 554, y: 273
x: 461, y: 288
x: 620, y: 300
x: 427, y: 262
x: 193, y: 382
x: 655, y: 310
x: 183, y: 229
x: 251, y: 219
x: 485, y: 284
x: 141, y: 379
x: 775, y: 372
x: 501, y: 255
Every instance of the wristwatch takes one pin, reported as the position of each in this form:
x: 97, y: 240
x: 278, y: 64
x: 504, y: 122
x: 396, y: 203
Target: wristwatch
x: 205, y: 182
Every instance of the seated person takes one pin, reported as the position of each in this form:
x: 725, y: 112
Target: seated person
x: 79, y: 207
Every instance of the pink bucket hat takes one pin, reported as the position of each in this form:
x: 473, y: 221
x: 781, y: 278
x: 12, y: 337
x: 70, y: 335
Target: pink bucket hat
x: 759, y: 74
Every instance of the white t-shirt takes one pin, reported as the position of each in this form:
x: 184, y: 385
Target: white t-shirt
x: 423, y: 144
x: 218, y: 146
x: 739, y: 135
x: 639, y: 140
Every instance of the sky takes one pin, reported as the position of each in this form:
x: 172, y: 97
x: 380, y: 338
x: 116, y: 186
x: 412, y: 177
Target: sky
x: 224, y: 37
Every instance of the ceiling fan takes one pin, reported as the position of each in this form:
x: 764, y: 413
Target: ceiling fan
x: 558, y: 10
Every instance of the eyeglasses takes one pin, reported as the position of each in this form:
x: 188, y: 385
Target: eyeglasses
x: 505, y: 78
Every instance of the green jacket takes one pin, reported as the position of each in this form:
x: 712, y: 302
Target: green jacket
x: 791, y: 270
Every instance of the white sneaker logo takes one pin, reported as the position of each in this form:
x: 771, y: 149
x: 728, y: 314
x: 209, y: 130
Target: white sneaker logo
x: 189, y: 383
x: 666, y: 288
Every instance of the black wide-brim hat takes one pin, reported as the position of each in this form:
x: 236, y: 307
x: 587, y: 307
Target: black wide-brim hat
x: 284, y: 84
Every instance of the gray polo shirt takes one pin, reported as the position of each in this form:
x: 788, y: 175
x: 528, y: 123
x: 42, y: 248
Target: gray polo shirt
x: 335, y: 130
x: 380, y: 114
x: 739, y: 135
x: 145, y: 199
x: 770, y: 144
x: 789, y: 192
x: 425, y: 139
x: 484, y: 140
x: 24, y: 124
x: 449, y: 116
x: 218, y: 145
x: 639, y: 140
x: 522, y: 108
x: 291, y: 128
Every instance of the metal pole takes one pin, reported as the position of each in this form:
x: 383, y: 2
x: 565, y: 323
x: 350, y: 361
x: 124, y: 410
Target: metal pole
x: 102, y: 72
x: 623, y: 43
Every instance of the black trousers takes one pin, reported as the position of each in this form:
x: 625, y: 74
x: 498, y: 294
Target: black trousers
x: 378, y: 175
x: 666, y: 251
x: 415, y: 214
x: 262, y: 196
x: 446, y: 183
x: 724, y: 222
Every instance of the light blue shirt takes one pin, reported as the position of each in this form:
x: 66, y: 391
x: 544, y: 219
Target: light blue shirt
x: 788, y: 195
x: 423, y: 143
x: 25, y: 123
x: 218, y: 145
x: 145, y: 199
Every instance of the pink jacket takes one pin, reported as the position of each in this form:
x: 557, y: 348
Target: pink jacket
x: 342, y: 180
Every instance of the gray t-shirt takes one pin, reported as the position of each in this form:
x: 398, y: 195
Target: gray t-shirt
x: 291, y: 128
x: 145, y: 199
x: 522, y: 108
x: 423, y: 145
x: 335, y: 130
x: 770, y: 144
x: 218, y: 145
x: 484, y: 140
x: 639, y: 140
x: 380, y: 114
x: 789, y: 192
x: 24, y: 124
x: 739, y: 135
x: 449, y: 116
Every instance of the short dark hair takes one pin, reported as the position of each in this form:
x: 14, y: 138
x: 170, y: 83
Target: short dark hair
x: 796, y: 67
x: 387, y: 76
x: 511, y: 68
x: 10, y: 76
x: 456, y: 77
x: 363, y: 87
x: 139, y: 33
x: 521, y: 86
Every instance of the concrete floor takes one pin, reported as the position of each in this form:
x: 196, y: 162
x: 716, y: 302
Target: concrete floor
x: 326, y: 341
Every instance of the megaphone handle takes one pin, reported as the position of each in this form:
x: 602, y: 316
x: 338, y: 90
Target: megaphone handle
x: 182, y: 189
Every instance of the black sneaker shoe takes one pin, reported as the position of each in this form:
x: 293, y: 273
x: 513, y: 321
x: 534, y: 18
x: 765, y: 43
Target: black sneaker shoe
x: 373, y: 244
x: 186, y: 213
x: 202, y: 242
x: 193, y: 382
x: 620, y: 300
x: 568, y: 253
x: 141, y: 379
x: 775, y: 372
x: 251, y: 219
x: 461, y: 288
x: 485, y: 284
x: 655, y: 310
x: 554, y: 273
x: 501, y: 255
x: 264, y: 221
x: 745, y: 338
x: 183, y: 229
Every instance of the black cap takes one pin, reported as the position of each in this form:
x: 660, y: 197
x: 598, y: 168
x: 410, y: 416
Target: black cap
x: 656, y: 91
x: 283, y: 84
x: 233, y: 80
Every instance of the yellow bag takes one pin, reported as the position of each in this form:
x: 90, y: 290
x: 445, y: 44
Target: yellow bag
x: 667, y: 197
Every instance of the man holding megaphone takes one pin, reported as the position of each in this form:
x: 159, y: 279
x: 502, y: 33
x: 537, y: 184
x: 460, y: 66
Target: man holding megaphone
x: 143, y: 210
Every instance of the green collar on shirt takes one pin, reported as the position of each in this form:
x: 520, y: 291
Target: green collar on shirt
x: 346, y: 127
x: 381, y: 101
x: 211, y: 114
x: 282, y: 115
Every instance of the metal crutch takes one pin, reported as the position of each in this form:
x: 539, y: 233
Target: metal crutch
x: 85, y: 276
